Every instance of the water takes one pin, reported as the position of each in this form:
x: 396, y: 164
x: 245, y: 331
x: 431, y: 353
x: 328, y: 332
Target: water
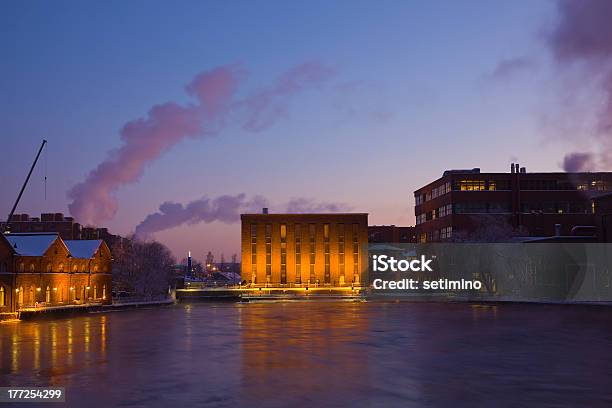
x: 319, y: 354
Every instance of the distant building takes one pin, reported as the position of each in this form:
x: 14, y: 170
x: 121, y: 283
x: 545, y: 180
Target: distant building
x: 467, y: 205
x: 66, y: 227
x: 304, y: 249
x: 391, y: 233
x: 44, y: 270
x: 603, y: 211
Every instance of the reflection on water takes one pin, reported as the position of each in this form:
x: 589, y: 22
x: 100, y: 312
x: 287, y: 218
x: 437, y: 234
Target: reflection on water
x: 319, y: 354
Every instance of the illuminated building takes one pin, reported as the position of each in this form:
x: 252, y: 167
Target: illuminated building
x: 467, y: 205
x: 289, y: 250
x: 44, y: 270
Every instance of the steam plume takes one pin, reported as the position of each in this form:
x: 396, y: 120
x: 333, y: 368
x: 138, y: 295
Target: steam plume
x: 146, y: 139
x: 582, y: 38
x: 225, y: 208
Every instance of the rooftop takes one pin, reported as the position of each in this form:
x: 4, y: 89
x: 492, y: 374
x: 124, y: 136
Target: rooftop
x: 83, y: 248
x: 31, y: 244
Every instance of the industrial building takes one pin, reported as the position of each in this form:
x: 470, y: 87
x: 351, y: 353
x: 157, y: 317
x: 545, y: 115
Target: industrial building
x: 43, y: 270
x: 467, y: 205
x: 301, y: 250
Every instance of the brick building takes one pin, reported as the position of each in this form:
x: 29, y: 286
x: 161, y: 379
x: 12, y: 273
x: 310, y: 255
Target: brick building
x: 603, y: 211
x: 391, y: 233
x: 7, y: 276
x: 44, y: 270
x: 304, y: 249
x: 468, y: 205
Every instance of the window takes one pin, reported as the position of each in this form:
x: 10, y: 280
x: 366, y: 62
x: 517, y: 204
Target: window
x: 283, y: 243
x: 341, y: 251
x: 254, y: 252
x: 327, y: 275
x: 104, y: 292
x: 421, y: 218
x: 95, y: 294
x: 356, y: 252
x: 2, y: 297
x: 298, y: 254
x: 312, y: 236
x: 48, y: 295
x: 21, y: 267
x: 268, y: 252
x: 471, y: 185
x: 446, y: 233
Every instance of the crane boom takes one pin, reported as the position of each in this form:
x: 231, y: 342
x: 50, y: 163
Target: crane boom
x: 25, y: 183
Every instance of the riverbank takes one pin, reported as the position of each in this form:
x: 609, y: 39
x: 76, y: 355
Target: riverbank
x: 53, y: 311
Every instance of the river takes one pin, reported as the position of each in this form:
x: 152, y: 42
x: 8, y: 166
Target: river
x: 319, y: 354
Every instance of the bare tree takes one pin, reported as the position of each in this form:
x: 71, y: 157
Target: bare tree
x: 143, y: 268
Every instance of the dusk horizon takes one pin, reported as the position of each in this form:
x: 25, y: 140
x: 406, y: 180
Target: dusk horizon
x: 193, y: 122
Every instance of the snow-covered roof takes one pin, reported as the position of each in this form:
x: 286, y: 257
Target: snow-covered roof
x: 83, y: 248
x: 31, y: 244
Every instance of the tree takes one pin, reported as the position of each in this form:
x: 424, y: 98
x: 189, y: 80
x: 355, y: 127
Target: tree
x: 143, y: 268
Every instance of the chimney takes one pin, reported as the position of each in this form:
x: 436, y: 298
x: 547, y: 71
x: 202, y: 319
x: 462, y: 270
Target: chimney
x: 523, y: 170
x: 511, y: 168
x: 557, y: 230
x: 264, y: 210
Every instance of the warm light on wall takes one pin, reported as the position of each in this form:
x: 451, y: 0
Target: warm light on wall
x: 71, y: 288
x: 88, y: 288
x: 54, y: 288
x: 38, y: 289
x: 17, y: 290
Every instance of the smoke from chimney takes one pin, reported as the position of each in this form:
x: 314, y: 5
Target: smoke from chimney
x: 225, y: 208
x: 582, y: 39
x: 146, y: 139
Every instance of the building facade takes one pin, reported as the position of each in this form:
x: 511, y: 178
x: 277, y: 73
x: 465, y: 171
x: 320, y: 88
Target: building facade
x: 301, y: 250
x: 467, y: 205
x: 7, y: 276
x: 44, y: 270
x: 603, y: 210
x: 391, y: 233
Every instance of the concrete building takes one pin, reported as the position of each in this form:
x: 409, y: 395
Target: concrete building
x: 44, y: 270
x: 467, y: 205
x: 391, y: 233
x: 297, y: 250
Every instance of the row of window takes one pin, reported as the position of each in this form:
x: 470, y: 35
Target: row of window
x: 563, y: 207
x: 442, y: 234
x: 298, y: 250
x: 32, y: 268
x: 55, y: 295
x: 495, y: 185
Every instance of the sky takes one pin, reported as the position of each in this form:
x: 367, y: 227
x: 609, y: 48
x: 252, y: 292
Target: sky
x: 415, y: 88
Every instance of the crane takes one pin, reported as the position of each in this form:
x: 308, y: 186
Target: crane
x: 7, y: 228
